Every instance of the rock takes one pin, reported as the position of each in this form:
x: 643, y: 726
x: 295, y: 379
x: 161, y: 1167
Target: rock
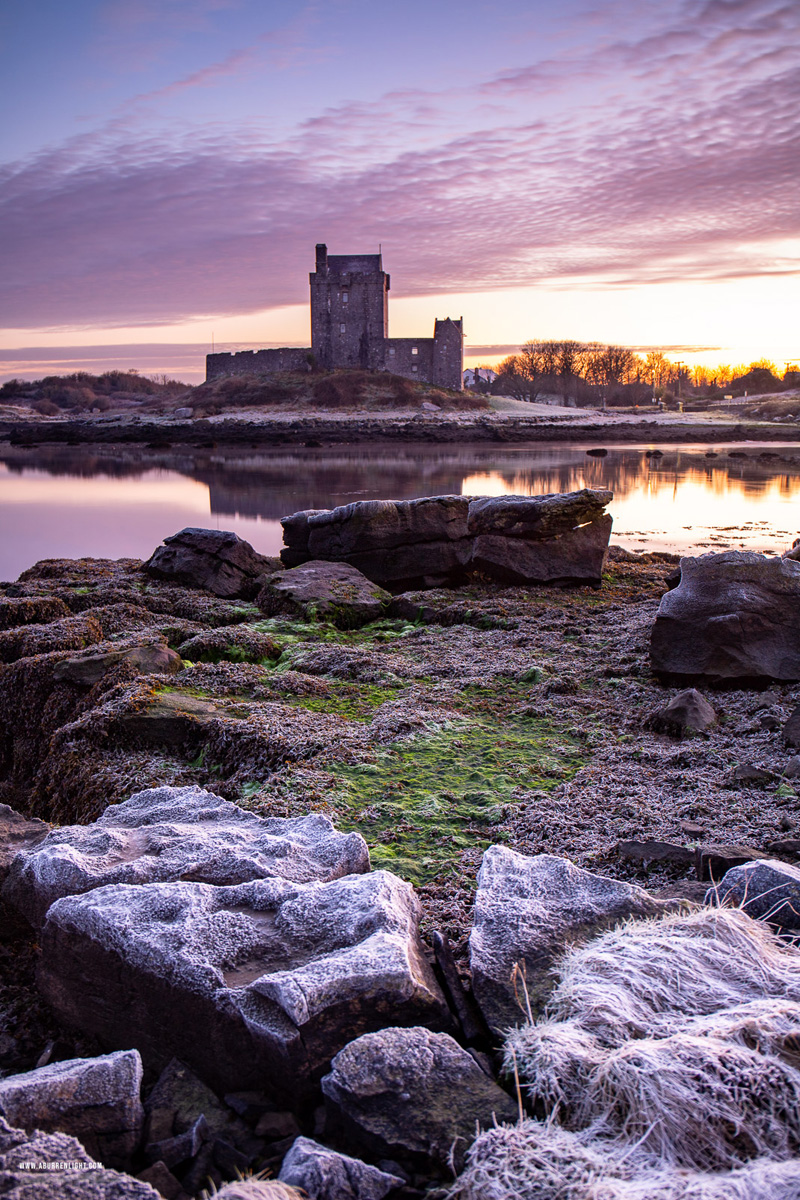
x: 536, y: 517
x: 791, y: 730
x: 270, y: 978
x: 327, y: 591
x: 296, y: 533
x: 93, y: 1099
x: 240, y: 643
x: 182, y: 1147
x: 183, y: 412
x: 68, y: 633
x: 656, y: 852
x: 153, y: 659
x: 68, y: 1180
x: 170, y: 719
x: 175, y: 1105
x: 161, y: 1178
x: 275, y: 1126
x: 213, y: 559
x: 412, y: 1095
x: 693, y: 829
x: 748, y: 775
x: 766, y: 889
x: 573, y: 557
x: 682, y: 889
x: 17, y: 833
x: 687, y: 713
x: 527, y: 911
x: 714, y: 860
x: 785, y: 848
x: 426, y: 564
x: 385, y: 525
x: 323, y: 1174
x: 173, y: 833
x: 733, y: 616
x: 792, y: 769
x: 599, y: 452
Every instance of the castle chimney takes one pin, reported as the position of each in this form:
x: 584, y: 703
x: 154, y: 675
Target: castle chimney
x: 322, y: 258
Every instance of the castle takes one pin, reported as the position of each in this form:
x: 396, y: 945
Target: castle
x: 350, y: 328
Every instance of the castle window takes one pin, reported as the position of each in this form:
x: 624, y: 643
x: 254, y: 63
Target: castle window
x: 414, y: 350
x: 392, y: 351
x: 345, y: 297
x: 342, y: 327
x: 415, y: 368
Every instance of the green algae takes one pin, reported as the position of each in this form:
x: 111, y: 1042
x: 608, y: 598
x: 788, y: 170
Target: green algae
x: 424, y: 802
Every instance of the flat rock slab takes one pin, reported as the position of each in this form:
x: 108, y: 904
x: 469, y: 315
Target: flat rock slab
x: 96, y: 1100
x: 327, y: 591
x: 527, y: 912
x: 154, y: 658
x: 216, y: 560
x: 173, y: 833
x: 322, y: 1174
x: 19, y: 1149
x: 766, y: 889
x: 714, y: 859
x: 733, y: 616
x: 254, y: 986
x: 17, y: 833
x: 575, y: 556
x: 535, y: 517
x: 413, y: 1096
x: 385, y: 525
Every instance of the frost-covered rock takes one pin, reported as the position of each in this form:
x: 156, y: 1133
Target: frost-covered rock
x: 17, y: 833
x: 734, y: 615
x: 766, y: 889
x: 53, y: 1166
x: 96, y: 1100
x: 412, y: 1095
x: 172, y: 833
x: 323, y: 1174
x: 254, y: 986
x: 527, y: 911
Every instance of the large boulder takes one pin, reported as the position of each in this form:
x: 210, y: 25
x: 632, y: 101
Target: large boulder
x: 413, y: 1096
x: 323, y: 1174
x: 573, y: 557
x: 17, y: 833
x: 385, y: 525
x: 536, y: 517
x: 178, y: 833
x: 55, y: 1166
x: 213, y: 559
x: 765, y: 889
x: 327, y: 591
x: 96, y: 1100
x: 527, y: 912
x: 254, y: 986
x: 733, y: 616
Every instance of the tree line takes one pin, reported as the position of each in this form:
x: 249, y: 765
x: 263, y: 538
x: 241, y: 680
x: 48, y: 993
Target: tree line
x: 584, y: 373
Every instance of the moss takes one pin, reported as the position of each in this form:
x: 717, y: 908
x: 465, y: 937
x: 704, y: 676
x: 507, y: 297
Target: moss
x: 424, y: 802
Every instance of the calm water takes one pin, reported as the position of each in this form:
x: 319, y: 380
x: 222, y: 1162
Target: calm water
x: 64, y: 502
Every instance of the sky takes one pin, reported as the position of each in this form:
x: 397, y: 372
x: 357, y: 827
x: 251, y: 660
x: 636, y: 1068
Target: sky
x: 615, y: 170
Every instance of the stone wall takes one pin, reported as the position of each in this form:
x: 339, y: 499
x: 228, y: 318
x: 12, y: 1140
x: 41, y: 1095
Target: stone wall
x: 412, y: 357
x: 257, y: 362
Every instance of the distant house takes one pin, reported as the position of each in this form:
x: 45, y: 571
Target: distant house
x: 475, y: 376
x: 350, y: 328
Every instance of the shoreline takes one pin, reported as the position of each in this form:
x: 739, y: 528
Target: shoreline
x: 316, y: 430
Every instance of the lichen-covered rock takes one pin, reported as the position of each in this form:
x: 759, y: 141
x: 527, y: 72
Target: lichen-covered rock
x: 734, y: 615
x: 412, y: 1095
x: 527, y: 911
x: 254, y: 986
x: 17, y: 833
x: 153, y: 658
x: 178, y: 833
x: 53, y: 1166
x: 327, y: 591
x: 766, y: 889
x: 214, y: 559
x: 96, y: 1100
x: 323, y: 1174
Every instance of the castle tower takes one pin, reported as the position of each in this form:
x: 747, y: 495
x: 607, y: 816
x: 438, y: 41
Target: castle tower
x: 349, y: 310
x: 448, y: 353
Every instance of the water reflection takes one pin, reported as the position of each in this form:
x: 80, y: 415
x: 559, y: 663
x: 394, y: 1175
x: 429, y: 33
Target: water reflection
x: 110, y: 502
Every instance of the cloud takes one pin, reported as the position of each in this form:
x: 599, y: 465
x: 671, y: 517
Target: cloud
x: 682, y: 164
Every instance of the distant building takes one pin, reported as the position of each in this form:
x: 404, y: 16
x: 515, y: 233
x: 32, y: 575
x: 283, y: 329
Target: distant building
x: 350, y: 328
x: 475, y: 376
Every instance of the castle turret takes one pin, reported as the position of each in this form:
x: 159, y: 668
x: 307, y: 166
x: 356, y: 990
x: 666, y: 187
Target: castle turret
x: 349, y: 309
x: 448, y: 353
